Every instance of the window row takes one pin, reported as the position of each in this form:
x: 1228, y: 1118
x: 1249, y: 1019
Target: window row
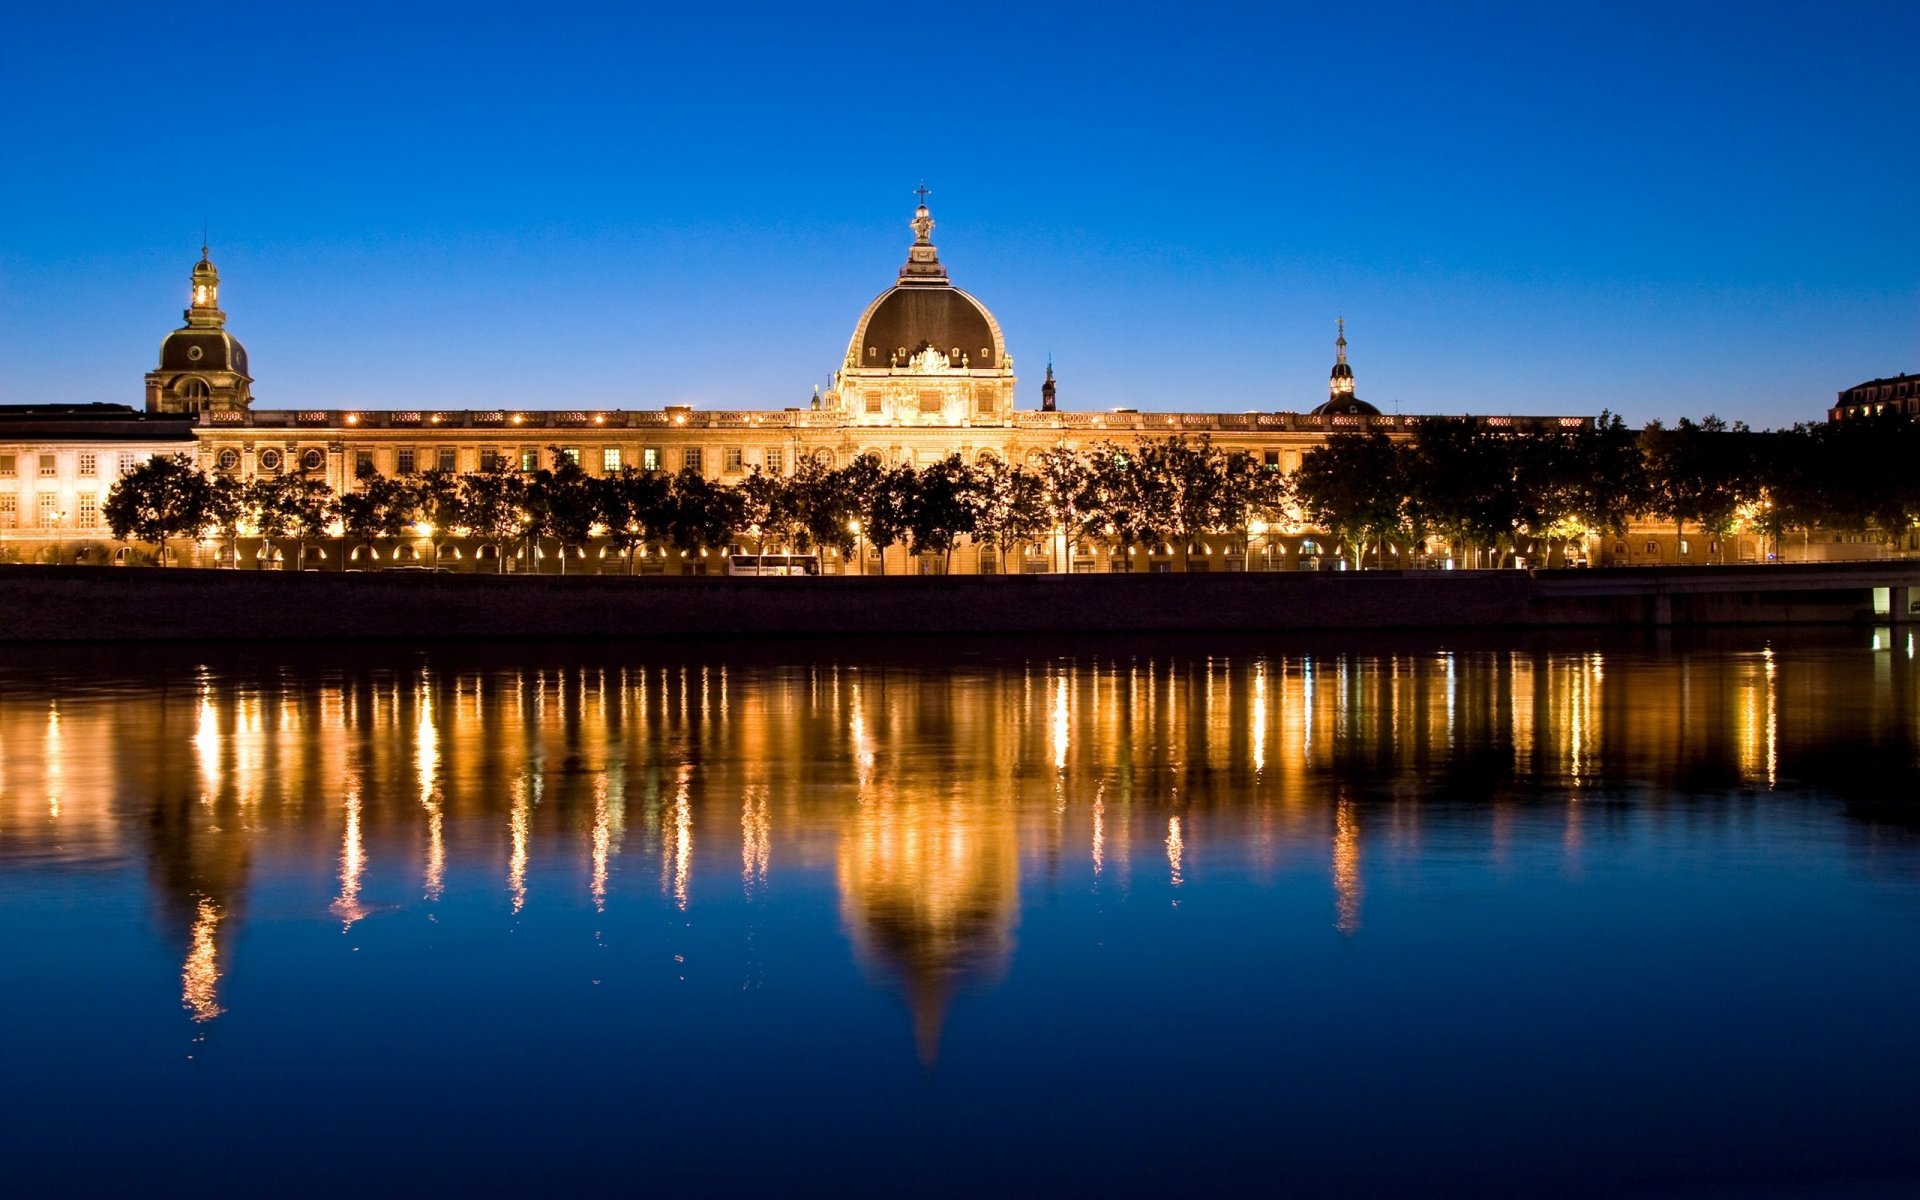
x: 87, y: 463
x: 51, y: 513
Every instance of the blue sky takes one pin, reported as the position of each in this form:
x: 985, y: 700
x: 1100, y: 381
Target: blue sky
x: 1658, y: 209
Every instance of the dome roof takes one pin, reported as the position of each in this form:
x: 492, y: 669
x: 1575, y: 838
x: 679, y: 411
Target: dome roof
x: 906, y: 318
x: 203, y: 350
x: 1346, y: 406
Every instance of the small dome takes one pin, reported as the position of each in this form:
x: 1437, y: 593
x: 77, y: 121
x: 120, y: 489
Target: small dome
x: 1346, y: 406
x: 203, y: 350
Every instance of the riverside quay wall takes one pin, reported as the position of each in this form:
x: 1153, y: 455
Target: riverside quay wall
x: 68, y: 604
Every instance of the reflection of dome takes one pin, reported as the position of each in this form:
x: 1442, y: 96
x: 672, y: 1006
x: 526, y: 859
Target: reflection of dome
x: 929, y: 891
x: 201, y: 349
x: 906, y: 319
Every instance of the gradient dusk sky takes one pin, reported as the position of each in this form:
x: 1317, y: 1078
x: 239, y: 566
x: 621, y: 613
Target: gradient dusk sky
x: 1659, y: 209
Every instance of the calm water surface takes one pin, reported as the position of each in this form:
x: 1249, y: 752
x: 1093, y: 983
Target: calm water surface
x: 1551, y: 917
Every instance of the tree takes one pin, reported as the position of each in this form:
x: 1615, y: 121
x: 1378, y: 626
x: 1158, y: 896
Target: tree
x: 633, y: 507
x: 226, y: 511
x: 1700, y: 473
x: 701, y: 514
x: 1011, y: 507
x: 1353, y: 486
x: 436, y: 501
x: 493, y: 506
x: 293, y: 508
x: 380, y: 507
x: 162, y: 498
x: 562, y: 503
x: 944, y: 507
x: 1460, y: 482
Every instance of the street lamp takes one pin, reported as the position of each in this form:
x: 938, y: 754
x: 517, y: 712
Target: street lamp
x: 853, y: 527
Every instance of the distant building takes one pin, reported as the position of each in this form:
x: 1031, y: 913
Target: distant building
x: 1901, y: 393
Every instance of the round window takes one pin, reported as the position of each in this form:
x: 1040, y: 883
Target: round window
x: 312, y: 460
x: 194, y: 353
x: 269, y: 460
x: 228, y: 460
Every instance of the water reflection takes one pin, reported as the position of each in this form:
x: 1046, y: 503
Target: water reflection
x: 929, y: 794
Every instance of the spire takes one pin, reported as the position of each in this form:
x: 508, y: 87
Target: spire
x: 1046, y: 389
x: 1340, y: 383
x: 923, y: 258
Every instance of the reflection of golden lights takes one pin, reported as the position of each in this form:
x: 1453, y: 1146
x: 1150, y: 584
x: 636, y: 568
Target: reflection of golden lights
x: 1060, y: 723
x: 862, y: 743
x: 1176, y: 849
x: 1099, y: 829
x: 201, y: 974
x: 1346, y: 867
x: 206, y: 742
x: 1773, y: 720
x: 517, y: 820
x: 756, y: 848
x: 353, y: 862
x: 1259, y: 717
x: 602, y: 843
x: 682, y: 835
x: 426, y: 751
x: 56, y: 762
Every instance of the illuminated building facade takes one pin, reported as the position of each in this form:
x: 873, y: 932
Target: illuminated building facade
x: 925, y: 374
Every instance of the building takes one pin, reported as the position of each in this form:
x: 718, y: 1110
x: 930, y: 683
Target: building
x: 925, y: 374
x: 1900, y: 393
x: 57, y: 462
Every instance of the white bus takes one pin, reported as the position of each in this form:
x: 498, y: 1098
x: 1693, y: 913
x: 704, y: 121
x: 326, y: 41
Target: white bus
x: 773, y: 564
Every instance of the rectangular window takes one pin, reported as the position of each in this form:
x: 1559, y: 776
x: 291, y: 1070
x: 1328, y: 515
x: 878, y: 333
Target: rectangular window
x: 9, y: 511
x: 983, y: 405
x: 403, y: 462
x: 774, y: 462
x: 49, y: 510
x: 89, y: 511
x: 571, y: 454
x: 733, y: 459
x: 650, y: 459
x: 931, y: 401
x: 690, y: 459
x: 873, y: 402
x: 1270, y: 459
x: 447, y: 460
x: 489, y: 460
x: 7, y: 466
x: 362, y: 463
x: 529, y: 458
x: 610, y: 460
x: 49, y: 466
x: 89, y: 463
x: 126, y: 461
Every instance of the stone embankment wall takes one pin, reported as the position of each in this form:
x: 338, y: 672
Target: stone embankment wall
x: 49, y: 604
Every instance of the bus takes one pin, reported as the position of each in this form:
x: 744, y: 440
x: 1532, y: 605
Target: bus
x: 773, y: 564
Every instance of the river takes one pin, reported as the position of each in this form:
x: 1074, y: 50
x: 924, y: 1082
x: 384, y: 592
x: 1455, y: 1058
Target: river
x: 1475, y: 915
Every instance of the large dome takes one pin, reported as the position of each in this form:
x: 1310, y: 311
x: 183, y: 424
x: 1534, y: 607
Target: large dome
x: 906, y: 319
